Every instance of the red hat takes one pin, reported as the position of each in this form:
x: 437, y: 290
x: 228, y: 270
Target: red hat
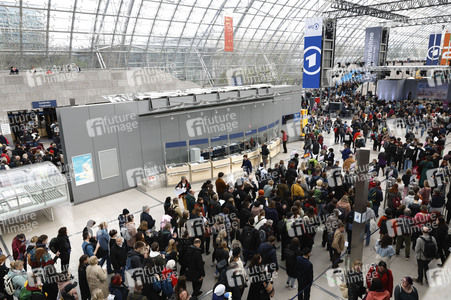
x: 261, y: 192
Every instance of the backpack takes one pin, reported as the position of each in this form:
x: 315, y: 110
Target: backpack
x: 167, y: 288
x: 100, y: 252
x: 383, y: 228
x: 373, y: 195
x: 27, y: 295
x: 53, y: 245
x: 262, y: 235
x: 430, y: 249
x: 246, y: 239
x: 128, y: 264
x: 317, y: 196
x: 32, y: 258
x: 9, y: 286
x: 125, y: 234
x: 396, y: 202
x: 45, y: 259
x: 265, y: 151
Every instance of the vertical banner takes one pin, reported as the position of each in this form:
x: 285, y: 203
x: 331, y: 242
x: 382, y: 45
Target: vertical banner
x: 433, y: 54
x: 228, y: 34
x: 446, y: 52
x: 312, y: 53
x: 371, y: 52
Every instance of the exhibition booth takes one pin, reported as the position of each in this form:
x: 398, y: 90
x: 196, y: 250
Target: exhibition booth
x: 197, y: 136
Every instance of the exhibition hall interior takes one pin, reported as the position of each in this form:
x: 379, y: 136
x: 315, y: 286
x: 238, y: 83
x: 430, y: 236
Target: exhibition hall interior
x: 225, y: 149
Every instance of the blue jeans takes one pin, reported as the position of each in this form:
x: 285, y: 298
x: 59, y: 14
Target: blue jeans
x: 368, y: 233
x: 291, y: 281
x: 108, y: 263
x: 407, y: 164
x: 376, y: 209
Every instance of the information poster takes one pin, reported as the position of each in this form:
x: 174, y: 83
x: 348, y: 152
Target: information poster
x: 83, y: 170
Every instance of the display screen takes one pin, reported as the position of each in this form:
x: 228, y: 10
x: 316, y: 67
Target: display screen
x: 436, y: 92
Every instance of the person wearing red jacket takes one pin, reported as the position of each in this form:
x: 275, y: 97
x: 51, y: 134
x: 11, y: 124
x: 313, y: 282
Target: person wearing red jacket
x: 381, y: 272
x: 19, y: 247
x: 169, y: 272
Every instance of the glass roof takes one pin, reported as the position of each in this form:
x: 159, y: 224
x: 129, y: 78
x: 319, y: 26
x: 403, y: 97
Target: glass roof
x: 186, y: 37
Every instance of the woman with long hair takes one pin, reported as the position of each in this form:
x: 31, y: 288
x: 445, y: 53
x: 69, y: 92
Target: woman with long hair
x: 180, y: 289
x: 257, y: 289
x: 171, y: 250
x: 82, y: 279
x: 377, y: 291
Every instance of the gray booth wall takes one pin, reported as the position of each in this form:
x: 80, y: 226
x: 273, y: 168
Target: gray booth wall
x: 146, y: 143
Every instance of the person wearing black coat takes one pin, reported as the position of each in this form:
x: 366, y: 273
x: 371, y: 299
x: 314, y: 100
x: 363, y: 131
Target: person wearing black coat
x: 291, y: 253
x: 291, y: 175
x: 304, y: 274
x: 118, y: 256
x: 354, y: 281
x: 257, y: 289
x: 195, y: 271
x: 145, y: 216
x: 64, y: 247
x: 3, y: 271
x: 440, y: 234
x: 82, y: 278
x: 182, y: 247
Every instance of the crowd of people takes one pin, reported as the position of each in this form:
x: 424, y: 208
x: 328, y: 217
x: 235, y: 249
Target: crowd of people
x: 239, y: 223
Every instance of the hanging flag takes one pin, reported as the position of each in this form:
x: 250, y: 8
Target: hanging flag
x: 313, y: 40
x: 433, y: 54
x: 446, y: 52
x: 228, y: 34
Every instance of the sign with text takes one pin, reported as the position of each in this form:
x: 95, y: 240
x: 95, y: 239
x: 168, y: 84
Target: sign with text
x: 433, y: 54
x: 44, y: 104
x: 312, y: 53
x: 446, y: 52
x: 228, y: 34
x: 371, y: 52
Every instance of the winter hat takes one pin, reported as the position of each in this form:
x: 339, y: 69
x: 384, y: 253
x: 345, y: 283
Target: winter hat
x: 170, y: 264
x: 219, y: 290
x: 261, y: 192
x: 90, y: 223
x: 125, y: 211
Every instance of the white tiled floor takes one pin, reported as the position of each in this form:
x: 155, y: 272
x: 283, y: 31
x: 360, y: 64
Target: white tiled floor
x: 108, y: 208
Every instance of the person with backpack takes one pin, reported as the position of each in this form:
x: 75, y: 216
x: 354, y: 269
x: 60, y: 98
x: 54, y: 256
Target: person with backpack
x: 39, y: 256
x: 249, y: 240
x: 123, y: 218
x: 3, y: 272
x: 62, y: 245
x: 136, y: 257
x: 87, y: 246
x: 376, y: 197
x: 394, y: 197
x: 16, y: 278
x: 265, y: 153
x: 267, y: 250
x: 291, y: 253
x: 103, y: 238
x: 425, y: 251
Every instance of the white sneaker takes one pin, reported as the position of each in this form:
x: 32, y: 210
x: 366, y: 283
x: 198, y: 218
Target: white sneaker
x: 287, y: 285
x: 293, y: 287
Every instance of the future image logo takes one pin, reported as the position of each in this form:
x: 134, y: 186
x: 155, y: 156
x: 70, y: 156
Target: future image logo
x: 114, y: 124
x: 212, y: 125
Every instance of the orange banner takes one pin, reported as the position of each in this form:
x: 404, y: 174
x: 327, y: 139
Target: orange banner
x: 228, y: 34
x: 446, y: 52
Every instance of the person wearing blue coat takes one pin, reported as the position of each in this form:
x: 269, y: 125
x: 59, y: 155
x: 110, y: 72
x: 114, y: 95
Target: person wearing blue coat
x: 304, y: 275
x: 103, y: 238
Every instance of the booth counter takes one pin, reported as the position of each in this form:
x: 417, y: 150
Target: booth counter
x: 200, y: 171
x: 254, y: 157
x: 174, y: 173
x: 235, y: 163
x: 221, y: 165
x: 274, y: 148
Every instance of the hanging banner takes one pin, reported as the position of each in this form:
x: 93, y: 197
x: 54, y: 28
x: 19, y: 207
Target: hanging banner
x: 433, y: 54
x: 371, y: 52
x: 228, y: 34
x: 312, y: 53
x: 446, y: 52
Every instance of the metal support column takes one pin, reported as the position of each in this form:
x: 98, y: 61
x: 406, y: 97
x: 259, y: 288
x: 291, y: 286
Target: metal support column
x: 361, y: 200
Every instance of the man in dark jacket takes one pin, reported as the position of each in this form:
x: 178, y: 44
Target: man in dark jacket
x: 136, y: 258
x: 64, y: 248
x: 268, y: 253
x: 250, y: 240
x: 195, y: 271
x: 247, y: 165
x: 145, y: 216
x: 304, y: 275
x: 221, y: 186
x: 118, y: 256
